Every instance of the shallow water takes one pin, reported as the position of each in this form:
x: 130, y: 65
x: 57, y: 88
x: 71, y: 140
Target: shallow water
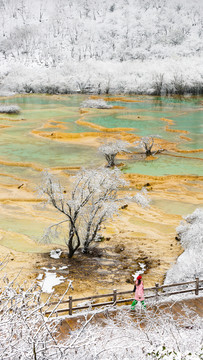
x: 24, y: 155
x: 175, y: 207
x: 166, y: 165
x: 18, y: 144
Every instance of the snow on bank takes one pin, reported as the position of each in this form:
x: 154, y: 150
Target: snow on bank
x: 189, y: 264
x: 120, y: 47
x: 96, y: 104
x: 152, y: 76
x: 10, y: 109
x: 4, y: 93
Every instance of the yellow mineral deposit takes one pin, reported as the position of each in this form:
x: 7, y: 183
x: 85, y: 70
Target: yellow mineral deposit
x: 147, y: 236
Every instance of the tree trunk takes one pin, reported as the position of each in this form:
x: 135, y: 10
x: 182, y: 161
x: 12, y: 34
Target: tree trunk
x: 71, y: 248
x: 70, y: 243
x: 111, y: 160
x: 148, y: 152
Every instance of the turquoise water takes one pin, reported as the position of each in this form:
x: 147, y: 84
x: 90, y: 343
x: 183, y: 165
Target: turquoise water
x: 187, y: 114
x: 18, y: 144
x: 165, y: 165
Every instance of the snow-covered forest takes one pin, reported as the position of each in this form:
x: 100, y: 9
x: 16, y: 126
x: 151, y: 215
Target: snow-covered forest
x: 119, y: 46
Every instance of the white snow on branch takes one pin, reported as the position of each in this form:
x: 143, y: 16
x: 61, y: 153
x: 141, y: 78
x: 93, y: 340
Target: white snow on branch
x: 142, y: 198
x: 112, y: 148
x: 92, y: 199
x: 72, y: 46
x: 27, y: 332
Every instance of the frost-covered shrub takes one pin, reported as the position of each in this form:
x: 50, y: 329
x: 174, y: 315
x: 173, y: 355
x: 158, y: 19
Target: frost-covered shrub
x: 10, y: 109
x: 101, y: 54
x: 96, y: 104
x: 149, y: 337
x: 112, y: 148
x: 189, y: 264
x: 24, y: 330
x: 163, y: 353
x: 106, y: 77
x: 158, y: 83
x: 146, y: 143
x: 92, y: 200
x: 27, y: 333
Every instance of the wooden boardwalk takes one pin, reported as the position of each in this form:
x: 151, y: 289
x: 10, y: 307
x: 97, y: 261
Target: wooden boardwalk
x: 119, y: 297
x: 177, y: 308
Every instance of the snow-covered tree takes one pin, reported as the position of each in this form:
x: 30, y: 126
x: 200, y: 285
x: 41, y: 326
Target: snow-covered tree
x: 189, y: 263
x: 116, y: 40
x: 113, y: 148
x: 146, y: 143
x: 91, y: 200
x: 28, y: 333
x: 25, y: 331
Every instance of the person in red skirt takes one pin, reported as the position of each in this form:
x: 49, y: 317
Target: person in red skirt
x: 139, y: 293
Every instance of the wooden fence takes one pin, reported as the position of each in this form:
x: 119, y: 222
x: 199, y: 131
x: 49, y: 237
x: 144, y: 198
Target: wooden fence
x: 116, y: 297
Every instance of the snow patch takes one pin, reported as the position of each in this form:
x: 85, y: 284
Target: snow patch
x: 63, y: 267
x: 50, y: 280
x: 139, y: 272
x: 40, y: 277
x: 97, y: 104
x: 189, y: 264
x: 10, y: 109
x: 55, y: 254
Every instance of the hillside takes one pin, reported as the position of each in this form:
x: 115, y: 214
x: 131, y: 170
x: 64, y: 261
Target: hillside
x: 126, y: 46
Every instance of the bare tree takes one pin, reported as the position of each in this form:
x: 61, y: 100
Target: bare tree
x: 113, y: 148
x: 92, y: 200
x: 146, y: 143
x: 42, y: 9
x: 158, y: 83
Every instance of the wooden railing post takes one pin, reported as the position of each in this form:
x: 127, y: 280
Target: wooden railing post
x: 114, y: 297
x: 197, y: 286
x: 70, y: 305
x: 157, y: 291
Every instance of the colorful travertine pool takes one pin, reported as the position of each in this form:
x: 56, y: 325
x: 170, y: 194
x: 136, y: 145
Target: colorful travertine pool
x: 53, y: 132
x: 27, y: 137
